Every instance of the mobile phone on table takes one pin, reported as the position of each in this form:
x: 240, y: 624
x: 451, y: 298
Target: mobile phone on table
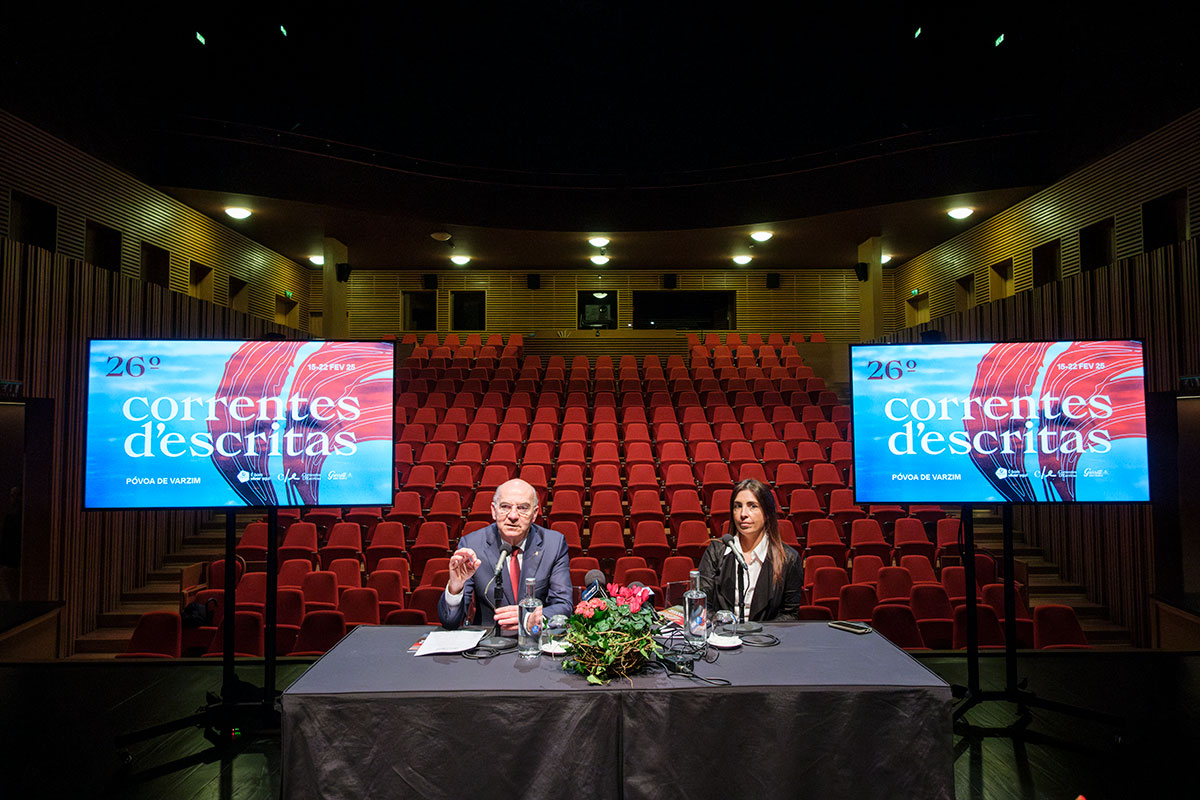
x: 850, y: 627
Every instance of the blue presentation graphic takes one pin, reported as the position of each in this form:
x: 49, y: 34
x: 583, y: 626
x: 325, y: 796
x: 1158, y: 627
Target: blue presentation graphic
x: 205, y: 424
x: 1027, y: 422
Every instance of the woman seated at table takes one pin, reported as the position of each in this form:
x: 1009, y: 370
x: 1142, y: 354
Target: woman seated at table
x: 775, y: 584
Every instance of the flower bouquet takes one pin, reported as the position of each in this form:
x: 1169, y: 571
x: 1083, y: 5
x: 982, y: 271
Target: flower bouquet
x: 611, y: 636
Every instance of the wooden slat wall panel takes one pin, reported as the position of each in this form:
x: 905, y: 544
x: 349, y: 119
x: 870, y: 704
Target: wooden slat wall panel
x: 1115, y: 186
x: 823, y: 300
x: 51, y: 305
x: 84, y: 188
x: 1154, y: 297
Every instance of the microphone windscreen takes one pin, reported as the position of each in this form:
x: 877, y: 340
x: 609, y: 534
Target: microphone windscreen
x: 594, y: 576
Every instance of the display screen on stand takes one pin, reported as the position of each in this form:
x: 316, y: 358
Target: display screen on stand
x: 1020, y: 422
x: 205, y: 424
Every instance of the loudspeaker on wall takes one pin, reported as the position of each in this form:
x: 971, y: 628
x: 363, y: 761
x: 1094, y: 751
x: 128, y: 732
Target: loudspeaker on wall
x: 772, y: 280
x: 342, y: 272
x: 670, y: 280
x: 533, y: 281
x: 429, y: 281
x: 860, y: 270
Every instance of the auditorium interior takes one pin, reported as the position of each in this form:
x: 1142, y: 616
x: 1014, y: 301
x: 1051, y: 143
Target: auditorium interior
x: 622, y: 254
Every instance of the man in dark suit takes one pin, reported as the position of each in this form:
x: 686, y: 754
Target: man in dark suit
x: 539, y: 553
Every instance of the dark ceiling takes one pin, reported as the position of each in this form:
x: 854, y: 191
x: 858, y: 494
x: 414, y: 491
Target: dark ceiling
x: 531, y: 120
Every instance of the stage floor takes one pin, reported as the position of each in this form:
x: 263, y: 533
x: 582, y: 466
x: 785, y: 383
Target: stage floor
x: 60, y: 719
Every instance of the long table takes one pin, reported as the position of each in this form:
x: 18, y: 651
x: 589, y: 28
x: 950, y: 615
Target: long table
x: 824, y: 714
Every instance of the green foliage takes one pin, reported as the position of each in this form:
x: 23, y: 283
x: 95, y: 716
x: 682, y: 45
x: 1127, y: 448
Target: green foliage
x: 614, y: 640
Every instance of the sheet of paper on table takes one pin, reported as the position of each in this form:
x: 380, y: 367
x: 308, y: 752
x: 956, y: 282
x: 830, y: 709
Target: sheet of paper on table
x: 449, y: 642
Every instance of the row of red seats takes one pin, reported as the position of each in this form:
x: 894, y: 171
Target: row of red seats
x: 480, y: 381
x: 839, y: 528
x: 547, y: 447
x: 463, y: 355
x: 607, y: 542
x: 471, y: 355
x: 160, y: 634
x: 534, y: 365
x: 823, y: 583
x: 767, y: 393
x: 732, y: 339
x: 470, y: 484
x: 743, y: 356
x: 724, y: 424
x: 745, y: 402
x: 470, y: 340
x: 933, y: 604
x: 755, y: 340
x: 1052, y: 627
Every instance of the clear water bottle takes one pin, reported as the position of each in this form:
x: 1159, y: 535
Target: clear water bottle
x: 529, y: 622
x: 695, y: 612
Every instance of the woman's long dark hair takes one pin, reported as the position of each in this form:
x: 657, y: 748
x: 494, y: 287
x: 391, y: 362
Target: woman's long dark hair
x: 766, y: 501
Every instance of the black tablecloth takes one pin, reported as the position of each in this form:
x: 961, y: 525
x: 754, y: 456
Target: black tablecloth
x: 824, y: 714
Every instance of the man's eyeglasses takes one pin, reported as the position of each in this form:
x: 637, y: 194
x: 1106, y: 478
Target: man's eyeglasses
x: 524, y: 509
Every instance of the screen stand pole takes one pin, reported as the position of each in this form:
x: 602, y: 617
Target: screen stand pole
x: 968, y: 556
x: 1014, y: 692
x: 229, y: 681
x: 269, y: 632
x: 230, y: 720
x: 1010, y: 604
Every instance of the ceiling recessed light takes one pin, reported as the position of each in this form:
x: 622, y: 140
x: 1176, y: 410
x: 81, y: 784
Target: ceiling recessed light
x: 462, y: 261
x: 742, y: 261
x: 598, y: 241
x: 962, y: 212
x: 318, y: 260
x: 761, y: 236
x: 237, y: 212
x: 884, y: 259
x: 440, y: 236
x: 599, y: 295
x: 599, y: 261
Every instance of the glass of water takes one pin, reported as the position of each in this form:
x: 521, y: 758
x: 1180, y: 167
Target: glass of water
x: 723, y: 623
x: 554, y: 636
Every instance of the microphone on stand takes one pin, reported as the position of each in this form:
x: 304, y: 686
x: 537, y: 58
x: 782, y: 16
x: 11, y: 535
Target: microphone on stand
x: 505, y: 554
x: 729, y: 548
x: 743, y: 569
x: 594, y: 581
x: 494, y: 639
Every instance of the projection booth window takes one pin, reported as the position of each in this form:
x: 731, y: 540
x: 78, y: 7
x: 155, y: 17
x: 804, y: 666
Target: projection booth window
x: 685, y: 310
x: 468, y: 311
x: 597, y: 309
x: 419, y: 310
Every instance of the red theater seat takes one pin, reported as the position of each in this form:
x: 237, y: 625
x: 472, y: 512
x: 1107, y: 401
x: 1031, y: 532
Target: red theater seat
x: 1056, y: 627
x: 158, y: 634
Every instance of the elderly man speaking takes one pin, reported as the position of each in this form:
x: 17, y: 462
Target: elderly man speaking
x: 538, y: 553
